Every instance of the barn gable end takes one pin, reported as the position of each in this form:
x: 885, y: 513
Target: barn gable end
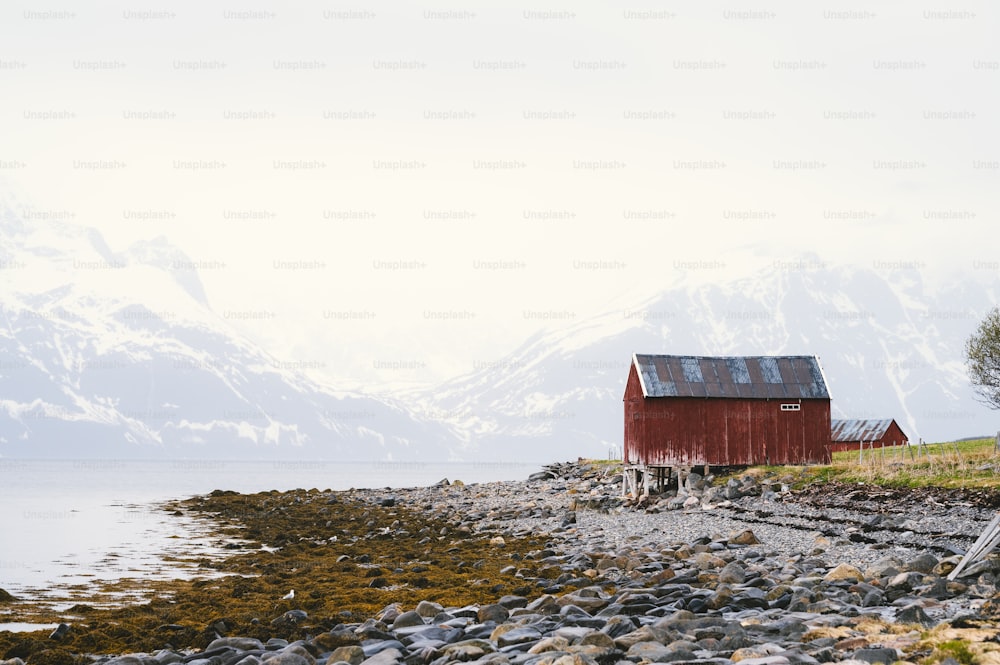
x: 847, y: 434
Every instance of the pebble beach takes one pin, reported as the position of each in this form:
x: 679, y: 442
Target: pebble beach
x: 559, y: 569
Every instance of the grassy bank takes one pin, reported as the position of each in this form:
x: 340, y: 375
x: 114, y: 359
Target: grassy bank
x: 956, y: 464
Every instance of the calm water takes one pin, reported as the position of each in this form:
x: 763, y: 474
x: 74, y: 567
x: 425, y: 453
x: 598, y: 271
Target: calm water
x: 66, y: 523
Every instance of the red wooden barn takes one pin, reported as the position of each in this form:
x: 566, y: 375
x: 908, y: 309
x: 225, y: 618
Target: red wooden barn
x: 848, y: 434
x: 684, y: 411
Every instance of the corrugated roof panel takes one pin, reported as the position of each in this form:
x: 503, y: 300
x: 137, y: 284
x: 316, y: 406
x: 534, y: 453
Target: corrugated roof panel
x: 710, y: 370
x: 753, y: 377
x: 730, y: 390
x: 673, y: 364
x: 858, y: 429
x: 777, y: 391
x: 738, y: 370
x: 786, y: 371
x: 692, y: 371
x: 769, y: 369
x: 662, y: 373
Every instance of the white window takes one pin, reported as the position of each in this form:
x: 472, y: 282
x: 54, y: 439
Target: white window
x: 790, y: 407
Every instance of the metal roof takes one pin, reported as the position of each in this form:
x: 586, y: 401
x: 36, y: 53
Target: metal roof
x: 748, y: 377
x: 858, y: 429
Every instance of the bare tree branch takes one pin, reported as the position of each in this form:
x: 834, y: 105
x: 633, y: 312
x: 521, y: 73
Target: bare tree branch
x: 982, y: 359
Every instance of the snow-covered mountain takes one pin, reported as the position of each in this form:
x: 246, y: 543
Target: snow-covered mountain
x: 106, y: 354
x: 119, y: 355
x: 889, y: 347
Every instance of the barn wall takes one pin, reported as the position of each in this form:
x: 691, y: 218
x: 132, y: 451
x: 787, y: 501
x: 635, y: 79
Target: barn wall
x: 682, y: 431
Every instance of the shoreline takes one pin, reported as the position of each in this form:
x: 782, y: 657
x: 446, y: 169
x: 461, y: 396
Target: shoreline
x: 742, y: 554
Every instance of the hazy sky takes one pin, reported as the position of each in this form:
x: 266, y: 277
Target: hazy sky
x: 431, y: 181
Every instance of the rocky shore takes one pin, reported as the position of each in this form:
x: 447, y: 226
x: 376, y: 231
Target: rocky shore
x: 559, y: 569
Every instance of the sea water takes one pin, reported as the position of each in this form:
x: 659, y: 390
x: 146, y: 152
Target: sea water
x: 66, y: 524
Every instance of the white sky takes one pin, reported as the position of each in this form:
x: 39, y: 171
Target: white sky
x: 810, y: 107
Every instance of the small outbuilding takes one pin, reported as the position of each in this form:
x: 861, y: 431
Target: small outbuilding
x: 687, y: 411
x: 849, y: 434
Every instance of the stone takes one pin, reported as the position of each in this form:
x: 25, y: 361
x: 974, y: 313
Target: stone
x: 617, y: 626
x: 745, y: 537
x: 375, y: 647
x: 754, y: 652
x: 238, y: 643
x: 886, y: 656
x: 546, y: 604
x: 408, y: 619
x: 914, y: 614
x: 390, y: 656
x: 338, y: 637
x: 885, y: 567
x: 513, y: 602
x: 922, y: 563
x: 597, y: 639
x: 286, y: 658
x: 649, y: 633
x: 249, y: 659
x: 428, y: 609
x: 844, y: 572
x: 651, y: 652
x: 60, y: 632
x: 766, y: 660
x: 354, y: 655
x: 554, y: 643
x: 290, y: 618
x: 494, y: 612
x: 732, y: 573
x: 707, y: 561
x: 574, y: 659
x: 519, y: 635
x: 471, y: 649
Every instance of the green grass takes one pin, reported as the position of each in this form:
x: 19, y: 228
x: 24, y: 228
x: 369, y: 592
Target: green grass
x: 956, y: 649
x: 966, y: 464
